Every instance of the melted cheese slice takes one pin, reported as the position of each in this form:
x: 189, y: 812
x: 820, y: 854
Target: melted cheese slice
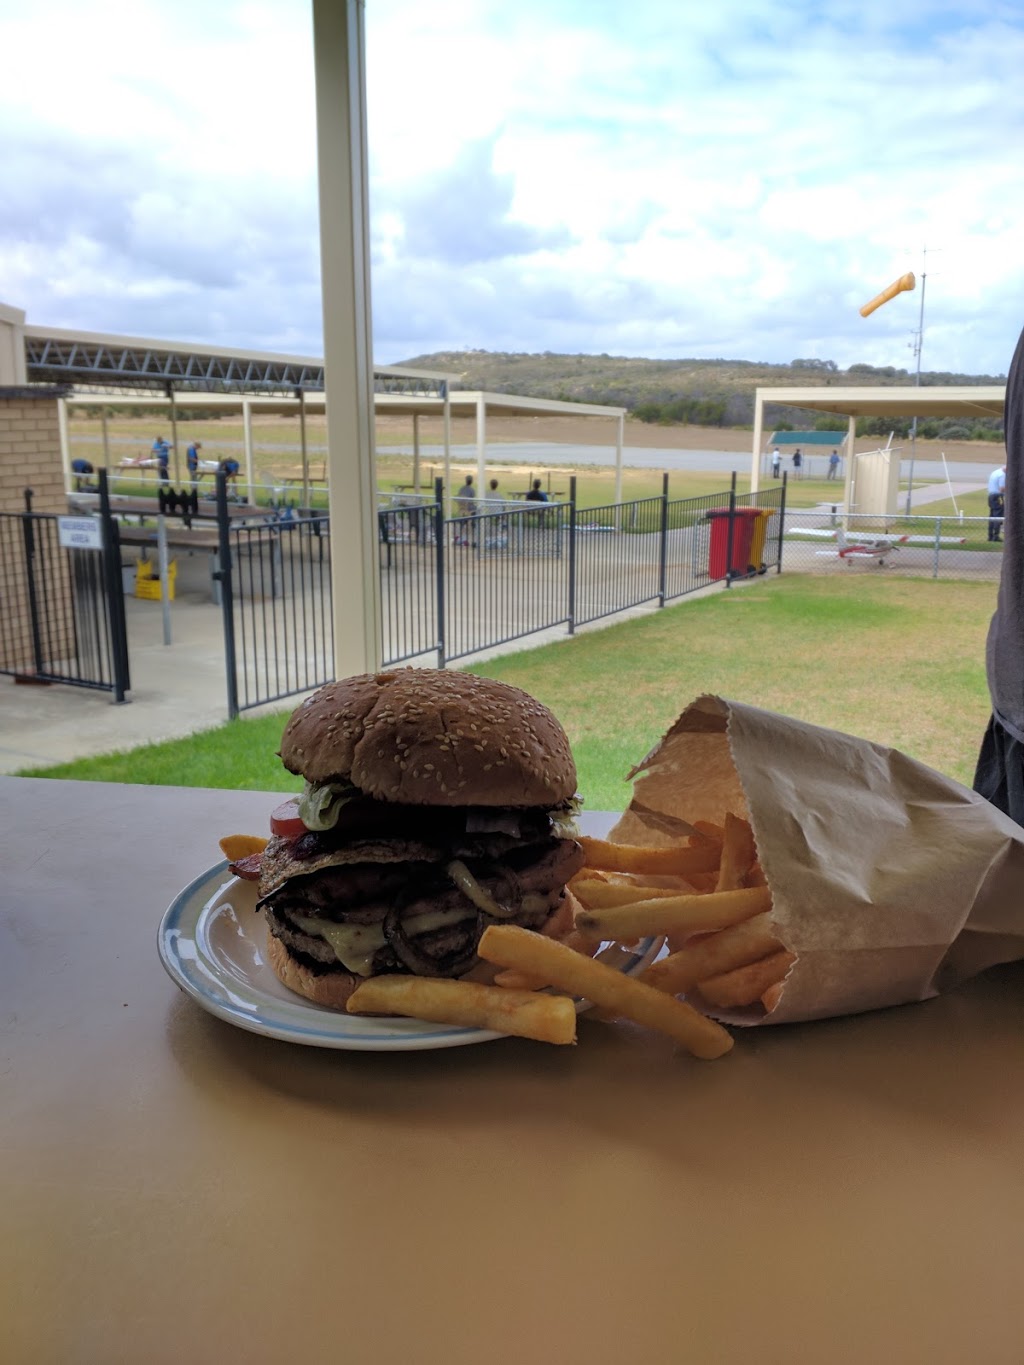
x: 355, y: 944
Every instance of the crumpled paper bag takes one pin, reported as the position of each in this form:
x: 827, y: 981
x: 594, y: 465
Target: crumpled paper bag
x: 889, y: 881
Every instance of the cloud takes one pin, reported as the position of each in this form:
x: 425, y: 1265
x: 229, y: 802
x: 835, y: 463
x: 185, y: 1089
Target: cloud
x: 722, y: 180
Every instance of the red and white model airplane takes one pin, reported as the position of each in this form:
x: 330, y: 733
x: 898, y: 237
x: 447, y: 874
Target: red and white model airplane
x: 875, y: 548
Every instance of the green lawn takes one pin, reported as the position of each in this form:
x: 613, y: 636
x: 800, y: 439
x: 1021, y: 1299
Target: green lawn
x: 899, y: 661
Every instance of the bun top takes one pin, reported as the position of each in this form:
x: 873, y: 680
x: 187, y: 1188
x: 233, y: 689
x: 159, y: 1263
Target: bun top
x: 429, y: 737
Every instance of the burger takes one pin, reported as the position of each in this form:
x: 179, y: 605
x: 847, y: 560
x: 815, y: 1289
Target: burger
x: 434, y: 805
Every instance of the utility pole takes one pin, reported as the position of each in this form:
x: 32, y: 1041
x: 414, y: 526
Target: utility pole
x: 918, y: 340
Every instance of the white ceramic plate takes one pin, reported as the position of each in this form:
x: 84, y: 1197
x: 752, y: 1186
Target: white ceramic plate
x: 211, y: 942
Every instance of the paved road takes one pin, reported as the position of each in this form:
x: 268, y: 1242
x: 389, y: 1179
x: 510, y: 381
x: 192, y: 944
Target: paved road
x: 544, y: 455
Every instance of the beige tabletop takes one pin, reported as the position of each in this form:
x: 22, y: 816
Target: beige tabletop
x: 174, y: 1188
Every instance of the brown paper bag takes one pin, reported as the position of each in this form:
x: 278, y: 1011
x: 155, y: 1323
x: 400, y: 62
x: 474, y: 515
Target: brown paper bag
x: 890, y: 882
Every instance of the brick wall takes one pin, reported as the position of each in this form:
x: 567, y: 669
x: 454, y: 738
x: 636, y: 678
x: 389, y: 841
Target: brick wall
x: 29, y: 458
x: 30, y: 451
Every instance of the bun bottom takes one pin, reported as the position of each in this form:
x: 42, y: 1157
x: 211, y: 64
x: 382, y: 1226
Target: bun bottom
x: 332, y: 989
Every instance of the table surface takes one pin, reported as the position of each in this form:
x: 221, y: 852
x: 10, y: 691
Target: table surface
x: 122, y: 504
x: 175, y: 1188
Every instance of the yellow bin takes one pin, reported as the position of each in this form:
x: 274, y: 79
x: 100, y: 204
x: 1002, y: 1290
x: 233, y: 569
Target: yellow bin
x: 147, y: 580
x: 758, y: 536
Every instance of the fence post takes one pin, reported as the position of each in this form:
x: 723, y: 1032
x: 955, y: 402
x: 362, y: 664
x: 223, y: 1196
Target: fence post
x: 439, y: 539
x: 223, y: 575
x: 938, y: 542
x: 729, y: 531
x: 28, y: 534
x: 572, y: 554
x: 663, y: 544
x: 114, y: 587
x: 782, y: 520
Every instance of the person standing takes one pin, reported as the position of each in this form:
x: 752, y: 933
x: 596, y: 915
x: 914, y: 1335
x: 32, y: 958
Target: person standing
x: 999, y: 776
x: 798, y: 462
x: 996, y: 502
x: 495, y: 535
x: 162, y: 455
x: 465, y: 506
x: 192, y: 458
x: 776, y: 463
x: 833, y: 464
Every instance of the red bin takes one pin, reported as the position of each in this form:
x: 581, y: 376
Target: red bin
x: 743, y: 521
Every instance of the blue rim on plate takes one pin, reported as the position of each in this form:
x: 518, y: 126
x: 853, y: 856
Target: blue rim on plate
x: 211, y: 943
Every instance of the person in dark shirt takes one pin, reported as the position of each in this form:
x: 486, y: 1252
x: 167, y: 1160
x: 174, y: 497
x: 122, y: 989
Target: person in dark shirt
x: 1000, y: 771
x: 536, y: 493
x: 162, y: 455
x: 81, y: 469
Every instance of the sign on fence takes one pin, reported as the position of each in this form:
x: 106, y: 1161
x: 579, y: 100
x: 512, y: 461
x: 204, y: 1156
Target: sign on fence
x: 80, y: 533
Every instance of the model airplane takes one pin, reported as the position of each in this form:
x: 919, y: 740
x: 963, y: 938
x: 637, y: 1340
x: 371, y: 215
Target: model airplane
x: 868, y: 547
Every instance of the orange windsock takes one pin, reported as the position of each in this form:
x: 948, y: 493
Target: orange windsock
x: 906, y: 281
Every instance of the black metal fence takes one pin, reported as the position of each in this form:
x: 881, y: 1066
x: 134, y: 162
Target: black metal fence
x: 274, y: 578
x: 453, y: 587
x: 62, y: 617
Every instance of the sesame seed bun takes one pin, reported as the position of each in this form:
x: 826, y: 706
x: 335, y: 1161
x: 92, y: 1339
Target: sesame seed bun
x: 432, y: 737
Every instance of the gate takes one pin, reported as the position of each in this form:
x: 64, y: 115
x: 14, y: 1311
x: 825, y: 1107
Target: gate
x: 62, y: 617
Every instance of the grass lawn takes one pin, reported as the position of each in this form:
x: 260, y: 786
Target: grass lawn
x: 899, y: 661
x: 276, y: 455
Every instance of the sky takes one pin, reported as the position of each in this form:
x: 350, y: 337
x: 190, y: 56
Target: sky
x: 662, y: 178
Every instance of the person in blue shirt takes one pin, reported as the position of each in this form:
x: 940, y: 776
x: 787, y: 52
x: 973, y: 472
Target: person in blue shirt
x: 833, y: 464
x: 192, y: 458
x: 162, y: 455
x: 996, y: 502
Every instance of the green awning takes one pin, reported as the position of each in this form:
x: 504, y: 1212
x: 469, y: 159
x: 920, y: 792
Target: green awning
x: 807, y: 438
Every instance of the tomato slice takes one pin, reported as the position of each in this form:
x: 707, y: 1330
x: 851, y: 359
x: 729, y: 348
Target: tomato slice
x: 285, y: 821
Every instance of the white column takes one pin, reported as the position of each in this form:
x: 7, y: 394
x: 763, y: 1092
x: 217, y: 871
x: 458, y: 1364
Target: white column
x: 338, y: 41
x: 447, y: 447
x: 481, y: 445
x: 174, y: 438
x: 247, y: 444
x: 755, y: 459
x: 65, y: 444
x: 619, y: 437
x: 305, y: 448
x: 415, y: 452
x: 849, y: 489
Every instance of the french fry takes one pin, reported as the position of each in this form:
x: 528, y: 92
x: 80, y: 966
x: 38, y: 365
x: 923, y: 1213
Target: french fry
x: 772, y: 996
x: 737, y: 854
x: 712, y: 954
x: 508, y: 945
x: 509, y: 979
x: 599, y: 895
x: 746, y: 985
x: 679, y: 861
x: 703, y: 882
x: 238, y: 846
x: 676, y: 914
x: 709, y: 830
x: 523, y: 1014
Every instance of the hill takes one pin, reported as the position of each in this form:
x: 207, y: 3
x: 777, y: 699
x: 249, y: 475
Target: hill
x: 702, y: 392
